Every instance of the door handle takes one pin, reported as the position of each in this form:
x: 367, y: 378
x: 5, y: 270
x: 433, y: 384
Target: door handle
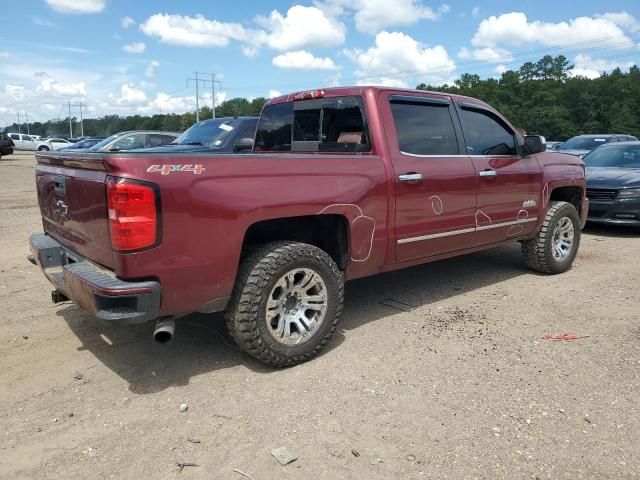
x: 488, y: 173
x: 410, y: 177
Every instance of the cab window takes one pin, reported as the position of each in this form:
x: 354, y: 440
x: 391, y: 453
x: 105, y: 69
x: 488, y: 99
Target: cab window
x: 486, y: 134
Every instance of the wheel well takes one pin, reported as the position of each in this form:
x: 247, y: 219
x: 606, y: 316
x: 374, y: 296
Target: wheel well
x: 328, y: 232
x: 572, y: 195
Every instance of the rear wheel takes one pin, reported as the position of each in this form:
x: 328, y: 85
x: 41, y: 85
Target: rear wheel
x: 556, y: 245
x: 286, y: 303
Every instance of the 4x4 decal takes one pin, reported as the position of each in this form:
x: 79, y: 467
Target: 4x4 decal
x: 167, y: 169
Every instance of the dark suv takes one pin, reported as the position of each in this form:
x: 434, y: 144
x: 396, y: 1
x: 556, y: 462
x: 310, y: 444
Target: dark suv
x: 583, y: 144
x: 6, y: 144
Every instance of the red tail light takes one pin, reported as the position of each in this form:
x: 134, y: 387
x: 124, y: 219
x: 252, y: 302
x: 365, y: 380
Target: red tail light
x: 133, y: 214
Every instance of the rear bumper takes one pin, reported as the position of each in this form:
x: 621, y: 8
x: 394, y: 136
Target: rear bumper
x: 615, y: 212
x: 94, y: 289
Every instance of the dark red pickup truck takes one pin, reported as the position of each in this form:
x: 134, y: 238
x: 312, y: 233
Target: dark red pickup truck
x: 341, y: 183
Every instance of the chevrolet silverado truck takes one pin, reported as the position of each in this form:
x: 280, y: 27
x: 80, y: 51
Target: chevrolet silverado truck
x: 341, y: 183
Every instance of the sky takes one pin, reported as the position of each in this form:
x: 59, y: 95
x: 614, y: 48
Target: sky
x: 134, y: 57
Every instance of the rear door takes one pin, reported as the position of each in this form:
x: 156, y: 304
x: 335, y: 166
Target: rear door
x: 435, y: 182
x: 508, y: 185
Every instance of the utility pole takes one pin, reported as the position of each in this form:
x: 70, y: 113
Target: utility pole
x: 19, y: 125
x: 70, y: 127
x: 213, y: 82
x: 79, y: 105
x: 26, y: 116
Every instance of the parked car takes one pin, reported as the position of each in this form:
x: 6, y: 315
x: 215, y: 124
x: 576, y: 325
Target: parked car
x: 613, y: 184
x: 6, y: 144
x: 553, y: 144
x: 133, y: 140
x: 23, y: 141
x: 86, y: 142
x: 583, y: 144
x: 52, y: 144
x: 222, y: 135
x: 342, y: 183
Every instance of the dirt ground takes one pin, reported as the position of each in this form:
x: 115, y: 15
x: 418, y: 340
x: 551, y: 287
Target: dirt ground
x: 451, y: 379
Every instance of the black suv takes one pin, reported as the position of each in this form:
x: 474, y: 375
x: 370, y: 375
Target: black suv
x: 6, y: 144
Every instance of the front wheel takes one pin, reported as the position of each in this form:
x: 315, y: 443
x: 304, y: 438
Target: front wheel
x: 43, y: 149
x: 286, y: 303
x: 556, y: 245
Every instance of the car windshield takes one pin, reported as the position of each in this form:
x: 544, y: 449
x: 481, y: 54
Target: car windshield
x: 583, y: 143
x: 212, y: 133
x: 105, y: 142
x: 618, y: 156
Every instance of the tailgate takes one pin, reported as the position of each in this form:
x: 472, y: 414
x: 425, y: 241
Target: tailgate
x: 73, y: 204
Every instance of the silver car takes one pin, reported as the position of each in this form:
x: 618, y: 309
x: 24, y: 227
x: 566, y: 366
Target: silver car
x: 133, y: 140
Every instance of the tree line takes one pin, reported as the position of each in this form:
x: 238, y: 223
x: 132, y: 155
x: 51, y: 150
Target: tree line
x: 540, y: 97
x: 543, y: 98
x: 168, y: 122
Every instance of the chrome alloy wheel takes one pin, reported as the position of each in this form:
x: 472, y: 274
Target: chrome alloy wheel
x: 296, y: 306
x: 563, y: 239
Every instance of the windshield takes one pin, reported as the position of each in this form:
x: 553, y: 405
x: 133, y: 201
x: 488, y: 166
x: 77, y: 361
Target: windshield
x: 104, y: 142
x: 212, y: 133
x: 584, y: 143
x: 618, y: 156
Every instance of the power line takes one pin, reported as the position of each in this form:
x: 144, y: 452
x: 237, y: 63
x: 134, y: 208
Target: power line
x: 79, y: 105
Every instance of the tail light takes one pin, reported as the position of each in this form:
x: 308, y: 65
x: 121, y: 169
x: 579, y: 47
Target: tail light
x: 133, y: 209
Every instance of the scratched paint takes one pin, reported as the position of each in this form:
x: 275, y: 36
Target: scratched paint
x: 362, y: 229
x: 480, y: 217
x: 436, y: 204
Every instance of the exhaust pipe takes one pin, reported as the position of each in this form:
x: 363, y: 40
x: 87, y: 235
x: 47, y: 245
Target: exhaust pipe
x: 163, y: 333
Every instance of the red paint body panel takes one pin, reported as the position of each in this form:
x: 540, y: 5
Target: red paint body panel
x: 205, y: 216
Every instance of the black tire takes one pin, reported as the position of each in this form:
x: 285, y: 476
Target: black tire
x: 43, y: 148
x: 538, y: 251
x: 258, y: 274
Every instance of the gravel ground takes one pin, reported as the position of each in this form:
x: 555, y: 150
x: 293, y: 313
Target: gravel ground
x: 438, y: 371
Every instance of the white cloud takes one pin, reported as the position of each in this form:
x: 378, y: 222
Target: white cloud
x: 42, y: 22
x: 151, y: 68
x: 585, y: 66
x: 4, y: 54
x: 487, y: 54
x: 301, y: 27
x: 14, y: 92
x: 303, y: 60
x: 165, y: 103
x: 274, y: 94
x: 77, y: 6
x: 130, y: 95
x: 500, y: 69
x: 53, y: 87
x: 622, y: 19
x: 395, y: 53
x: 250, y: 52
x: 137, y: 47
x: 197, y: 31
x: 371, y: 16
x: 475, y: 12
x: 126, y: 22
x: 514, y: 29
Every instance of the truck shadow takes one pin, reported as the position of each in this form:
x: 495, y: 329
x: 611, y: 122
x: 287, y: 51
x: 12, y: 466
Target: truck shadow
x: 611, y: 231
x: 201, y: 344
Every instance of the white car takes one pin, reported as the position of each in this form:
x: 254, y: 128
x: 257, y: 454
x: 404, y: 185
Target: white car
x: 52, y: 144
x: 23, y: 141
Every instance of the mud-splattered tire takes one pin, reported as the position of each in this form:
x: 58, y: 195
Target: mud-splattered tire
x: 550, y: 251
x: 258, y: 276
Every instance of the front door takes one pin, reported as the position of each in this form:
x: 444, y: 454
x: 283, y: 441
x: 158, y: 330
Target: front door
x: 435, y: 182
x: 508, y: 203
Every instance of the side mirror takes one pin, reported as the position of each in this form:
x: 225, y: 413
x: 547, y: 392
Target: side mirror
x: 534, y: 144
x: 243, y: 144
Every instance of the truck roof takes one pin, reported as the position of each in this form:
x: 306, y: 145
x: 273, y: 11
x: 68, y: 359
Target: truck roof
x: 361, y: 90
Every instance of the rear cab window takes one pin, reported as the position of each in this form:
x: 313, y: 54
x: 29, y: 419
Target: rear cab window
x: 333, y: 124
x: 424, y: 126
